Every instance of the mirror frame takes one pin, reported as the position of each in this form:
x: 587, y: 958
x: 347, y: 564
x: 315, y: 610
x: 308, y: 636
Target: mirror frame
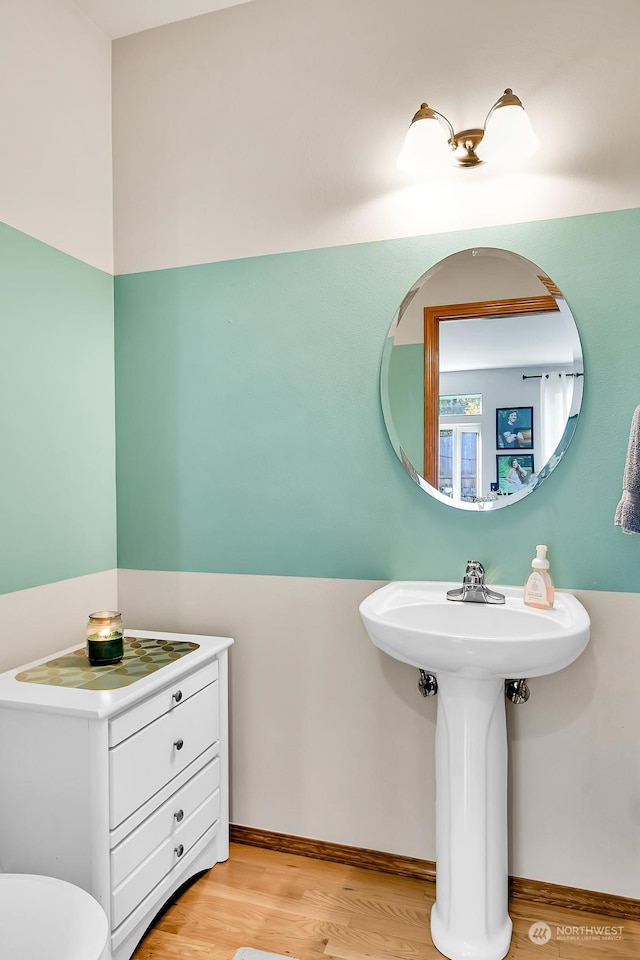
x: 433, y: 317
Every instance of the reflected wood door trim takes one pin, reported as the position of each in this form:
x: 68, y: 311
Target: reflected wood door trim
x: 433, y: 316
x: 553, y: 289
x: 535, y: 891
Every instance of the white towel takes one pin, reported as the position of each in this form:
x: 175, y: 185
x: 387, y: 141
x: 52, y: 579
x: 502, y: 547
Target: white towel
x: 628, y: 511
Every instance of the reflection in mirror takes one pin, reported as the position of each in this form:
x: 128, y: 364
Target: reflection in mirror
x: 481, y: 380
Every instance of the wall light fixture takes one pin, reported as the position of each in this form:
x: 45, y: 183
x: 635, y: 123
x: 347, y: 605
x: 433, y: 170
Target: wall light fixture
x: 507, y: 135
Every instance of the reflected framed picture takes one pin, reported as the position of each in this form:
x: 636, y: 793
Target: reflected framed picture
x: 513, y: 472
x: 514, y: 428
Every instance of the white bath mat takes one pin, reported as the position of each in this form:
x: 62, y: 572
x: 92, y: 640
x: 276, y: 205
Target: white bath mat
x: 248, y: 953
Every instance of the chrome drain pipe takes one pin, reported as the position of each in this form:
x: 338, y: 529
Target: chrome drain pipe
x: 427, y: 684
x: 516, y: 691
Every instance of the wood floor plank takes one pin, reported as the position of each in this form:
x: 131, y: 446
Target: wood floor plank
x: 317, y: 910
x: 562, y: 916
x: 375, y: 907
x: 350, y: 942
x: 328, y: 907
x: 522, y: 947
x: 343, y: 951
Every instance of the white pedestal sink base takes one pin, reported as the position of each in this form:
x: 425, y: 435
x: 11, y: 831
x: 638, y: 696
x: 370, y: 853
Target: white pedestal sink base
x: 472, y: 648
x: 466, y: 948
x: 470, y: 919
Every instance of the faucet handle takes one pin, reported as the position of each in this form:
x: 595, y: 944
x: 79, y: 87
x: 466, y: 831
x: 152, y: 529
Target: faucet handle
x: 474, y: 572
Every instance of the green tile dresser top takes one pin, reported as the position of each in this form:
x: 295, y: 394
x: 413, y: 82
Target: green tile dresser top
x: 141, y: 657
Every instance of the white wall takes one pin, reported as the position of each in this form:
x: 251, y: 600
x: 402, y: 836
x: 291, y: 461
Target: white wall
x: 274, y: 125
x: 42, y: 620
x: 55, y: 117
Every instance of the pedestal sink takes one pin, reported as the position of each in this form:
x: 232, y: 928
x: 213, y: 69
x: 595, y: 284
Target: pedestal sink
x: 472, y: 648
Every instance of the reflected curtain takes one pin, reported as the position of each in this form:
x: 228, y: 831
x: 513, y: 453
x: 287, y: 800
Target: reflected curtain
x: 556, y: 390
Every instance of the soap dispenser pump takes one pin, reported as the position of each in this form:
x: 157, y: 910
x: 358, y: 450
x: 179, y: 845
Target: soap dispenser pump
x: 538, y: 590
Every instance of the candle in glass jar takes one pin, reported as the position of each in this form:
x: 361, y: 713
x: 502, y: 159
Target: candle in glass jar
x: 104, y: 637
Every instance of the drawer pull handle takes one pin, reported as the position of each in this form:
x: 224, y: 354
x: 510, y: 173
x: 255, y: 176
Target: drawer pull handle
x: 178, y: 744
x: 179, y: 814
x: 178, y: 850
x: 177, y: 696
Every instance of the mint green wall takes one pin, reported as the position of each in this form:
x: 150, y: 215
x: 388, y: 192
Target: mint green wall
x: 57, y: 509
x: 250, y: 435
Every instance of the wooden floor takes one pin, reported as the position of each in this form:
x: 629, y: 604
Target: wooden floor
x: 311, y: 909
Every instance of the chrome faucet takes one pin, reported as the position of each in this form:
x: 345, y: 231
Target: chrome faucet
x: 474, y: 589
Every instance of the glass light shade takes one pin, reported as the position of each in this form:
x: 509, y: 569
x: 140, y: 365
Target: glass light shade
x: 508, y: 135
x: 425, y: 147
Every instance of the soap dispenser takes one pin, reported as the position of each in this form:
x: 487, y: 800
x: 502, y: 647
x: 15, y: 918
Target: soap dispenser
x: 538, y: 590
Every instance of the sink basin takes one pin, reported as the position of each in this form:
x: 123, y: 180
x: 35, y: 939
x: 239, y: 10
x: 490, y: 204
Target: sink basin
x: 472, y: 648
x: 413, y: 621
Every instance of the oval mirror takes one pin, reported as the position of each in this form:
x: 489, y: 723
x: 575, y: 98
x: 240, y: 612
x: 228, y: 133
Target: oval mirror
x: 482, y: 378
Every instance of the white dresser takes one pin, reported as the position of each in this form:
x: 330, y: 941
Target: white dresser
x: 122, y: 791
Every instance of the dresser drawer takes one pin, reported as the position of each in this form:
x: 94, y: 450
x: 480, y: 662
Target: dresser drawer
x: 142, y: 764
x: 164, y: 822
x: 170, y: 698
x: 163, y: 859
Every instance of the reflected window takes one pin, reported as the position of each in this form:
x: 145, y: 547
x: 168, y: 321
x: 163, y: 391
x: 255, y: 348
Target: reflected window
x: 469, y: 405
x: 459, y: 461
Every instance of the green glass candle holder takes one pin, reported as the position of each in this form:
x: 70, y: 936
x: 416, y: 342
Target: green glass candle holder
x: 105, y: 643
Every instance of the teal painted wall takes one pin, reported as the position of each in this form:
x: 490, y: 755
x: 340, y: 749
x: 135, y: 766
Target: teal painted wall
x: 57, y: 503
x: 251, y: 439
